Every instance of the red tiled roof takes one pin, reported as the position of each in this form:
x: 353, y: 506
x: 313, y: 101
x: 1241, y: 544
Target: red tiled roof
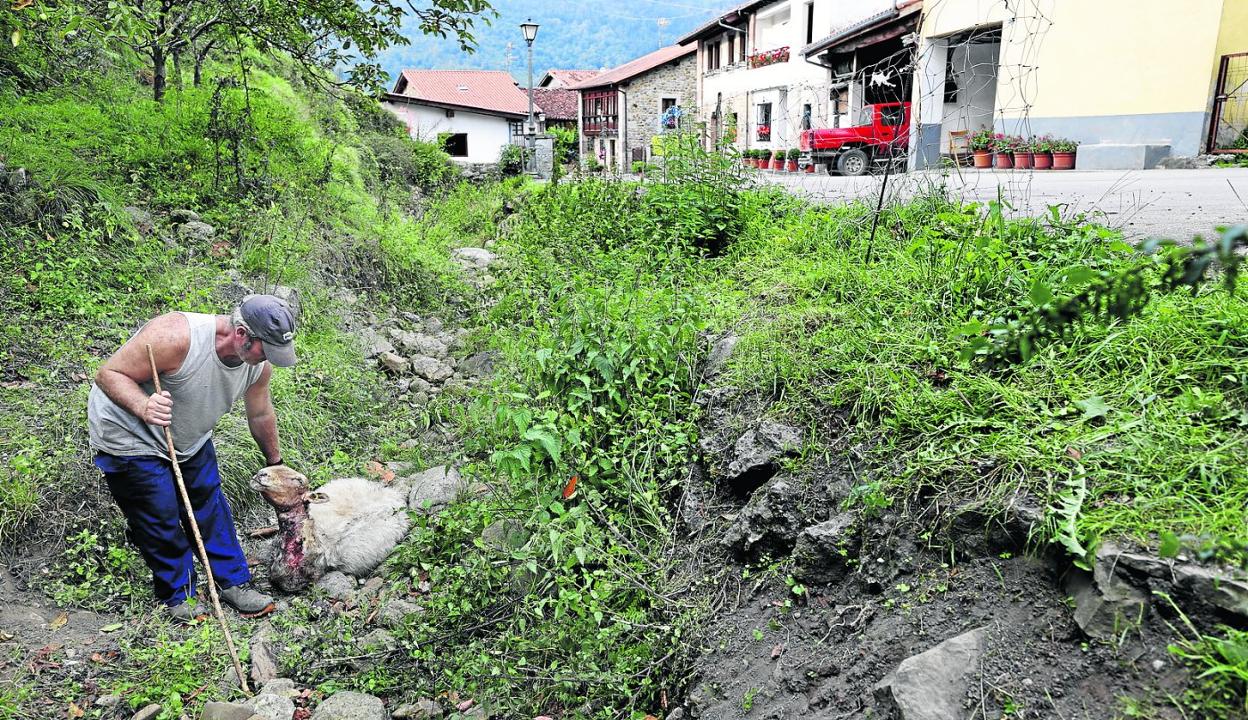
x: 567, y: 78
x: 489, y: 90
x: 556, y: 103
x: 636, y: 67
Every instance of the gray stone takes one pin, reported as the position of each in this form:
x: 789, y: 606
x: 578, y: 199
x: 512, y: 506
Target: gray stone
x: 18, y: 180
x: 419, y: 385
x: 396, y: 612
x: 423, y: 709
x: 141, y: 219
x: 284, y: 687
x: 761, y: 448
x: 433, y: 326
x: 374, y: 344
x: 473, y: 258
x: 1213, y: 587
x: 420, y: 399
x: 377, y: 641
x: 769, y: 522
x: 430, y: 369
x: 147, y: 713
x: 196, y: 232
x: 434, y: 488
x: 505, y: 535
x: 337, y: 585
x: 933, y: 684
x: 1105, y: 604
x: 720, y: 354
x: 230, y: 711
x: 421, y: 344
x: 823, y: 551
x: 1185, y: 162
x: 182, y: 216
x: 263, y: 660
x: 271, y: 707
x: 479, y: 364
x: 394, y: 363
x: 349, y: 705
x: 107, y: 701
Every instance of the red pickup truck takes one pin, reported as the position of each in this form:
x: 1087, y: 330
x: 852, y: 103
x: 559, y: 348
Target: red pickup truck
x: 883, y: 132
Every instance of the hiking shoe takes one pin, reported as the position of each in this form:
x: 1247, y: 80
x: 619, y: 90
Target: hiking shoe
x: 248, y: 601
x: 187, y: 612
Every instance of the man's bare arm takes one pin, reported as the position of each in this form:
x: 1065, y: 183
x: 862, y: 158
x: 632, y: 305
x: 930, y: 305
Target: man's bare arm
x: 120, y: 375
x: 262, y: 418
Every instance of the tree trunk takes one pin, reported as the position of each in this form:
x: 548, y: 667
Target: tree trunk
x: 177, y: 68
x: 200, y: 56
x: 158, y: 72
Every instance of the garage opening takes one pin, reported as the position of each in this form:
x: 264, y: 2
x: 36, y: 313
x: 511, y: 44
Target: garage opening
x: 969, y: 90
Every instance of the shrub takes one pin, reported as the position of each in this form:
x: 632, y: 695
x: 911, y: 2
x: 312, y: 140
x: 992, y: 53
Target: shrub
x: 411, y: 162
x: 794, y: 153
x: 511, y: 160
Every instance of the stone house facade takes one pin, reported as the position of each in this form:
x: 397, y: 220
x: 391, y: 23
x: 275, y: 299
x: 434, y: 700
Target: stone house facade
x: 623, y: 109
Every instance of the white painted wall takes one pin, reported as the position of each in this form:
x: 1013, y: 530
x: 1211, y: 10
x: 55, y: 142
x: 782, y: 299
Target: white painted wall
x: 487, y: 134
x: 788, y: 86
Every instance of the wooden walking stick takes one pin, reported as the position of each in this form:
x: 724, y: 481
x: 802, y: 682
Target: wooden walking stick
x: 199, y: 542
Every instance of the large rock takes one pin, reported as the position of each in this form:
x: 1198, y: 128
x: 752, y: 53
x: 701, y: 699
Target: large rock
x: 182, y: 216
x: 1105, y: 604
x: 756, y: 454
x: 472, y: 258
x: 933, y: 684
x: 374, y: 344
x: 271, y: 706
x: 141, y: 219
x: 230, y: 711
x: 721, y: 351
x: 147, y: 713
x: 423, y: 709
x: 769, y: 522
x: 431, y: 369
x: 479, y: 365
x: 396, y: 364
x: 350, y: 706
x: 395, y: 613
x: 421, y: 344
x: 337, y: 585
x: 434, y: 488
x: 196, y: 232
x: 1225, y: 590
x: 823, y: 551
x: 263, y: 655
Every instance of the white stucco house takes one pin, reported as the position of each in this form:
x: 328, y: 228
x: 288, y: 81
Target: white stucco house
x: 771, y: 68
x: 472, y: 113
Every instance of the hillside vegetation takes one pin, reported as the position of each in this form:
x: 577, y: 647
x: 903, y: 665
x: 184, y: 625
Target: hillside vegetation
x: 569, y: 583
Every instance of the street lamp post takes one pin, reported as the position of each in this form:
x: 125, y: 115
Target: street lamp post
x: 529, y: 28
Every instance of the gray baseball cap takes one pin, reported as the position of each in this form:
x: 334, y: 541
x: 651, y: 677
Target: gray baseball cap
x: 271, y: 321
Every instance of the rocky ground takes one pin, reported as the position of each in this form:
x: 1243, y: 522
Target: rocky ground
x: 837, y: 603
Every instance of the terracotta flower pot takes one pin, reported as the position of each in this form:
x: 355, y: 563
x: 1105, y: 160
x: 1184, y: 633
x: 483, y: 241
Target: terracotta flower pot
x: 982, y: 158
x: 1004, y: 161
x: 777, y: 164
x: 1022, y: 161
x: 1063, y: 161
x: 810, y: 169
x: 1043, y: 160
x: 791, y: 166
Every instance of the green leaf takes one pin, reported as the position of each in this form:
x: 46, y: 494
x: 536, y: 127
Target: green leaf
x: 113, y: 627
x: 548, y: 442
x: 1093, y: 407
x: 1041, y: 294
x: 16, y: 37
x: 1170, y: 545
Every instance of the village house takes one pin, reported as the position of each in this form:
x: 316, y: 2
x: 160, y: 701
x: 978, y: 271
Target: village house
x: 558, y: 102
x: 1133, y: 81
x: 624, y: 108
x: 473, y: 113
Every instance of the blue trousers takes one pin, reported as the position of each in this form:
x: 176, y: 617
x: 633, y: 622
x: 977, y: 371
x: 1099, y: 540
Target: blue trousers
x: 157, y: 523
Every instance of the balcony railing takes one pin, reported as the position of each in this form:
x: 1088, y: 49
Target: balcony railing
x: 769, y: 57
x: 601, y: 124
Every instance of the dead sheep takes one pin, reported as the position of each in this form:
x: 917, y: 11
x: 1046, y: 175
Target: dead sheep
x: 349, y: 525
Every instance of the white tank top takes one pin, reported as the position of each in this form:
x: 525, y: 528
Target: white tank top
x: 203, y: 389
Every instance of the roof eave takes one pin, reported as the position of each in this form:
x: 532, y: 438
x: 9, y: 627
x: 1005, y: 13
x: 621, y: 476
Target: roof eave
x: 452, y: 106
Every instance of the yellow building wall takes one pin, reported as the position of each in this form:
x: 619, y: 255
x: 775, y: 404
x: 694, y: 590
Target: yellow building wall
x: 1083, y: 58
x: 1233, y: 34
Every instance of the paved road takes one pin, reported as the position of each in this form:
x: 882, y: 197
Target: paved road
x: 1168, y: 203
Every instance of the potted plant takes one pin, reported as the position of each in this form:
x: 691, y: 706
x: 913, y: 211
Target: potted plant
x: 1064, y: 153
x: 792, y: 154
x: 1042, y: 152
x: 777, y: 160
x: 981, y: 147
x: 1022, y: 152
x: 761, y: 158
x: 1002, y: 145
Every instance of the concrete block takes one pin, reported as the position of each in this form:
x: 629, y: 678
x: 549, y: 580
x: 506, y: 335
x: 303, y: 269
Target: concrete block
x: 1107, y: 156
